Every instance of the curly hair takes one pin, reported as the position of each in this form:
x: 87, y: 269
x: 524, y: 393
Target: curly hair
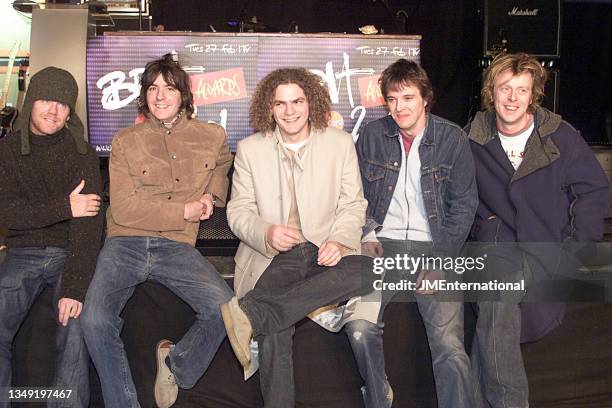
x: 174, y: 75
x: 403, y: 72
x: 518, y: 64
x: 317, y: 95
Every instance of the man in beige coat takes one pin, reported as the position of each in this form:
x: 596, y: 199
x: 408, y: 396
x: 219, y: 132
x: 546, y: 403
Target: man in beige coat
x: 297, y: 206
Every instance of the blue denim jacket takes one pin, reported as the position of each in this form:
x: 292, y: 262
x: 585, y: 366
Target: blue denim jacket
x: 447, y: 176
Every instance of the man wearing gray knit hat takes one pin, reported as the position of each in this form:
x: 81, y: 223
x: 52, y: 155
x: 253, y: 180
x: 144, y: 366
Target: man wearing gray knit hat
x: 50, y: 203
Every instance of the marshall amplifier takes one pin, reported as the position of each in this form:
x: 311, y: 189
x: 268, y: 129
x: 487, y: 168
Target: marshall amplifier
x: 531, y: 26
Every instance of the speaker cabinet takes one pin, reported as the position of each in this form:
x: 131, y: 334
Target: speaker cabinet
x: 531, y: 26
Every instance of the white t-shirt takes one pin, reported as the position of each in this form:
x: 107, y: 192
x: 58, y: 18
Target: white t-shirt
x: 294, y: 147
x: 514, y: 146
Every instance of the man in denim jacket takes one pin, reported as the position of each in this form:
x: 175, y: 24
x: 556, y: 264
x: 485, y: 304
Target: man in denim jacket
x: 418, y: 178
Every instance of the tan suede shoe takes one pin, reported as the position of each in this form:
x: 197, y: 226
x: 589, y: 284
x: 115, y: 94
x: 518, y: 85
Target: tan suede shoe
x: 166, y: 389
x: 239, y: 330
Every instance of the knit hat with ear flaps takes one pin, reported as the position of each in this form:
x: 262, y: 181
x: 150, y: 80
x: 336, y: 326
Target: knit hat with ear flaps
x: 51, y: 84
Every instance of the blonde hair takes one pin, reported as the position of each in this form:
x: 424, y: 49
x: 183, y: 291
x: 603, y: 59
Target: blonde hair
x: 519, y: 63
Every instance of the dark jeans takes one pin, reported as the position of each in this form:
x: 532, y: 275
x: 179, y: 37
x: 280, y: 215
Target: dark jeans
x: 124, y: 263
x: 292, y: 286
x: 23, y: 275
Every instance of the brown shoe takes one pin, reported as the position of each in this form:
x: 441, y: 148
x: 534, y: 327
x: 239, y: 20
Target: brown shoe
x: 166, y: 389
x: 239, y: 330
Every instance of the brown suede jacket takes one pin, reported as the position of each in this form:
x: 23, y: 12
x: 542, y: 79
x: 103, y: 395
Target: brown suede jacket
x: 155, y: 171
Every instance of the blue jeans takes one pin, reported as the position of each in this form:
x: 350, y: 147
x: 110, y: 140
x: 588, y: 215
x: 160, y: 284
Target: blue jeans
x: 367, y: 343
x: 443, y: 321
x: 23, y: 275
x: 292, y: 286
x: 498, y: 371
x: 124, y: 263
x: 500, y: 380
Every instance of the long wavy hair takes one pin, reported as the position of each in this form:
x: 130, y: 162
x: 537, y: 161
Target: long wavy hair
x: 317, y: 95
x: 518, y: 64
x: 174, y: 75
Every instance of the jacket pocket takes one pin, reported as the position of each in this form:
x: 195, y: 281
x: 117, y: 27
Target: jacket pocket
x: 440, y: 174
x: 204, y: 163
x: 203, y: 166
x: 148, y: 177
x: 436, y: 180
x: 374, y: 171
x: 374, y: 179
x: 486, y: 230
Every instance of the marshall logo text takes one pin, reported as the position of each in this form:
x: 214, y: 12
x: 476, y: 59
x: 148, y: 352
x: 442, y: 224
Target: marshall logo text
x: 523, y: 12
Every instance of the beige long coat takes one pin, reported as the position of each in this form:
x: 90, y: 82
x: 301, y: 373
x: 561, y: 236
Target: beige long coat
x: 329, y: 197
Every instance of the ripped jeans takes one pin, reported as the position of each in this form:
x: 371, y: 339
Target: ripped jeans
x: 444, y: 326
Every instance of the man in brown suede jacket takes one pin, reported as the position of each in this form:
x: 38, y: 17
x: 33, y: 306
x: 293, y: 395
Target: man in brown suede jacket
x: 165, y: 176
